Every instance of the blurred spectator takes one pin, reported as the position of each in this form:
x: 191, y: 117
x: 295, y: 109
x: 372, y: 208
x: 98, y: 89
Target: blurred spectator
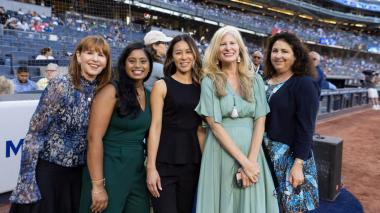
x: 20, y: 12
x: 371, y: 81
x: 82, y: 28
x: 157, y: 43
x: 11, y: 23
x: 46, y: 54
x: 257, y: 59
x: 321, y: 78
x: 3, y: 16
x: 37, y: 26
x: 6, y: 86
x: 50, y: 73
x: 3, y: 19
x: 22, y: 82
x: 22, y: 25
x: 316, y: 59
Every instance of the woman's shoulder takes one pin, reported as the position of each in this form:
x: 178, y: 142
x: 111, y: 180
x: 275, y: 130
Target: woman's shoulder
x: 257, y: 78
x: 206, y: 80
x: 115, y: 83
x: 303, y: 79
x: 304, y: 84
x: 159, y: 87
x: 62, y: 81
x: 107, y: 92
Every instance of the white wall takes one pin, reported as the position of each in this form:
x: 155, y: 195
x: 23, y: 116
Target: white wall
x: 14, y: 124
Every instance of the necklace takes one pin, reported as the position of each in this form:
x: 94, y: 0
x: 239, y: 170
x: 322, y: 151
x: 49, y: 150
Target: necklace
x: 140, y: 94
x: 278, y: 80
x: 234, y: 112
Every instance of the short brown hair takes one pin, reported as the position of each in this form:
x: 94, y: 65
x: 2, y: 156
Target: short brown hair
x: 96, y: 43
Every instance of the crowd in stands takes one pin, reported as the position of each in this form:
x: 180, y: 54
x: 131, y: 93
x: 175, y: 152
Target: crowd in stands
x: 259, y: 23
x: 118, y: 34
x: 348, y: 66
x: 367, y: 5
x: 115, y: 30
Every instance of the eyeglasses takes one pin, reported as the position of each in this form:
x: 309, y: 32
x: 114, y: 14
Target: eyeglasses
x: 51, y: 70
x: 258, y: 57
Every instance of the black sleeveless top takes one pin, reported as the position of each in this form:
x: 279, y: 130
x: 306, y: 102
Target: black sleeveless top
x: 179, y: 142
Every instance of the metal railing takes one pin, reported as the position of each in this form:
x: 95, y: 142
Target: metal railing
x: 342, y: 99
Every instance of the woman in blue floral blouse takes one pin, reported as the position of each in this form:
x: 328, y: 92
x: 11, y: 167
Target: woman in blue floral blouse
x: 54, y: 148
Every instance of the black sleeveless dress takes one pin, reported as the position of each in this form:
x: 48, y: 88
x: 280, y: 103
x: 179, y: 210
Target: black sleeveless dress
x: 179, y: 142
x: 179, y: 155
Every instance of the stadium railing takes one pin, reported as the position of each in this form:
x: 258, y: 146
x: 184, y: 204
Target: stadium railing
x: 333, y: 101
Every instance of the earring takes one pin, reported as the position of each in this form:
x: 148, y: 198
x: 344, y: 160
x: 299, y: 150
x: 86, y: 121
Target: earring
x: 238, y: 59
x: 217, y: 62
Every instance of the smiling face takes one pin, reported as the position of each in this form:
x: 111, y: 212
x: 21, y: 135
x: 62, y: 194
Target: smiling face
x: 228, y: 49
x: 282, y: 57
x: 91, y: 63
x: 257, y: 58
x: 183, y: 56
x: 137, y: 65
x: 161, y: 48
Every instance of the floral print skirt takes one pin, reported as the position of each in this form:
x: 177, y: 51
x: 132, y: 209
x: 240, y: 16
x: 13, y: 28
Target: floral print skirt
x: 300, y: 199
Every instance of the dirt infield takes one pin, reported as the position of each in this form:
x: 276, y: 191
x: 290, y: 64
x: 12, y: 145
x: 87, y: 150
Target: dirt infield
x: 361, y: 154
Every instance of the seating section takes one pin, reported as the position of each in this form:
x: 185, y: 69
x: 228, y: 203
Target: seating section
x: 19, y: 46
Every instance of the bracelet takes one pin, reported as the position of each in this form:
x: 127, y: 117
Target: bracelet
x: 299, y: 161
x: 100, y: 180
x: 97, y: 192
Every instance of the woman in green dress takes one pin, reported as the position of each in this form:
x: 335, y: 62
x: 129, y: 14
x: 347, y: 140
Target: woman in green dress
x: 120, y: 118
x: 234, y: 105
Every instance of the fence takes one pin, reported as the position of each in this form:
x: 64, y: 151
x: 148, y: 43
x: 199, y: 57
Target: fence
x: 342, y: 99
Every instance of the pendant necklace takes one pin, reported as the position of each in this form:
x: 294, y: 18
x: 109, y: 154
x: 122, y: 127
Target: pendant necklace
x: 234, y: 113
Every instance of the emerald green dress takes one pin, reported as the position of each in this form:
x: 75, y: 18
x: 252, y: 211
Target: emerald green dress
x: 123, y: 164
x: 217, y: 192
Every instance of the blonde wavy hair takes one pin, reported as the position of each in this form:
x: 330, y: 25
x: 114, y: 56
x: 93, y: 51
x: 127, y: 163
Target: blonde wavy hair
x: 212, y: 66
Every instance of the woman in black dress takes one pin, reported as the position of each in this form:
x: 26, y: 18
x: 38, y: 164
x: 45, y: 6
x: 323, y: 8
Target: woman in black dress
x: 175, y: 136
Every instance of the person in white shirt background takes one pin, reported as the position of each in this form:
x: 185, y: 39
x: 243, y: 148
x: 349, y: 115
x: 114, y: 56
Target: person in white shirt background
x: 46, y: 54
x: 50, y: 73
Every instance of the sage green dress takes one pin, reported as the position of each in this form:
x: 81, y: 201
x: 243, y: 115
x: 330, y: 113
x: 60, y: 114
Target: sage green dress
x: 217, y: 192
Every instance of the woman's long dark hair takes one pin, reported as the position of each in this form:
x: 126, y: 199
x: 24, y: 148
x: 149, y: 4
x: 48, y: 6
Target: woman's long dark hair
x: 169, y: 65
x: 128, y: 103
x: 302, y: 65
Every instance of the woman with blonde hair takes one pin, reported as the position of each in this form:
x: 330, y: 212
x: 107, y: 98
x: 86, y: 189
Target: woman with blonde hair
x: 234, y: 174
x: 54, y: 148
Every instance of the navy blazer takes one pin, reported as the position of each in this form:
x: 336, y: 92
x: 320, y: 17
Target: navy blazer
x: 293, y: 112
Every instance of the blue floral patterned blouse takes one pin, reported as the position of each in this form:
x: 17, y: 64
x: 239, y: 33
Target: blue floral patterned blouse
x: 57, y: 133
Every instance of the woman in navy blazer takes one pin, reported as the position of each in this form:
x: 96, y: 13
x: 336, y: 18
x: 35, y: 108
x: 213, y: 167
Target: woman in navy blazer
x: 293, y: 98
